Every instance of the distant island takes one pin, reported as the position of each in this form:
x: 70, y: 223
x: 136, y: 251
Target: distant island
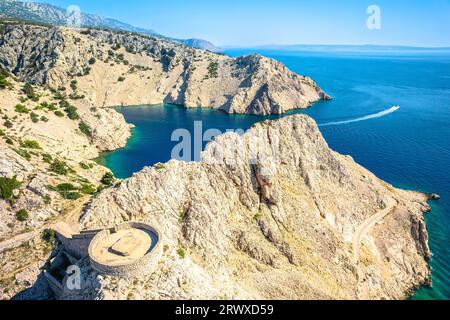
x: 345, y: 48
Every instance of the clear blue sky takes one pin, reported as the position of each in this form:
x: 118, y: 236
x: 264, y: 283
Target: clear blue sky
x: 256, y: 22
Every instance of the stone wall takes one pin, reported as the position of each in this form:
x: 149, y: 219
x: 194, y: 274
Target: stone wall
x: 77, y: 245
x: 145, y: 265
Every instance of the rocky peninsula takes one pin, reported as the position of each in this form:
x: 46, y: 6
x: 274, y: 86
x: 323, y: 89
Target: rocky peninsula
x: 295, y: 220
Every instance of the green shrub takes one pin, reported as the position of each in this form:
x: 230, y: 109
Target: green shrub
x: 9, y: 141
x: 47, y: 158
x: 29, y: 91
x: 92, y: 60
x: 47, y: 199
x: 182, y: 216
x: 34, y: 117
x: 7, y: 186
x: 181, y: 252
x: 73, y: 85
x: 121, y: 79
x: 4, y: 83
x: 107, y: 179
x: 71, y: 112
x: 45, y: 105
x: 68, y: 191
x: 22, y: 215
x: 44, y: 119
x: 212, y: 70
x: 86, y: 166
x: 64, y: 187
x: 20, y: 108
x: 59, y: 114
x: 60, y: 96
x: 23, y: 153
x: 49, y: 235
x: 84, y: 128
x: 86, y: 71
x: 72, y: 195
x: 30, y: 144
x: 8, y: 124
x: 2, y: 133
x: 77, y: 96
x: 59, y: 167
x: 87, y: 188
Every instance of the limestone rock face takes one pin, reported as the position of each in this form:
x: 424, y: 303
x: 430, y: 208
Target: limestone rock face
x: 152, y: 71
x: 271, y: 214
x: 12, y: 165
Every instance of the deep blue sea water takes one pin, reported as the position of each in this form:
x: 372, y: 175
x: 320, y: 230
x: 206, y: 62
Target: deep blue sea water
x: 409, y: 148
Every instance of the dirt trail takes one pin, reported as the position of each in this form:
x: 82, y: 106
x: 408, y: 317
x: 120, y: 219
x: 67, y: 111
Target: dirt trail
x: 71, y: 218
x: 367, y: 225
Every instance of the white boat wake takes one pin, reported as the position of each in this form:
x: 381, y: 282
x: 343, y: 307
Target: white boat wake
x: 368, y: 117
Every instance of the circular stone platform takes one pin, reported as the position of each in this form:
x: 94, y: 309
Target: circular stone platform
x: 122, y: 247
x: 130, y: 249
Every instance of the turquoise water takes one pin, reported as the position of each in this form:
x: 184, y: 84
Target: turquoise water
x: 409, y: 147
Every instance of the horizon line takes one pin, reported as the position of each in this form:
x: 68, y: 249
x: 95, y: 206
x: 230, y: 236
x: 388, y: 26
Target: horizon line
x: 337, y: 45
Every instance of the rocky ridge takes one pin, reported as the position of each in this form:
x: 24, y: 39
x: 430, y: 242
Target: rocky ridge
x: 121, y: 68
x: 280, y: 227
x: 48, y: 14
x: 275, y: 222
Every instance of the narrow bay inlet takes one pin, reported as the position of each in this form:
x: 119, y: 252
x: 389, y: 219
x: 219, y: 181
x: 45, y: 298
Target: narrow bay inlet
x: 136, y: 166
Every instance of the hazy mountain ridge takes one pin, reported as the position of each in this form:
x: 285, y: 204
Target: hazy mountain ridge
x: 344, y: 48
x: 53, y: 15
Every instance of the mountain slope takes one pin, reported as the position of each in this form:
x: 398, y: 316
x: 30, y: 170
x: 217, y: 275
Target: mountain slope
x: 277, y: 226
x: 53, y: 15
x: 273, y: 213
x: 114, y: 68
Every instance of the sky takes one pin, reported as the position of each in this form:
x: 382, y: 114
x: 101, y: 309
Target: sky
x: 259, y: 22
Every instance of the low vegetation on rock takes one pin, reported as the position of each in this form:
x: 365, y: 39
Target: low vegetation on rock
x: 59, y: 167
x: 22, y: 215
x: 107, y: 179
x: 7, y: 186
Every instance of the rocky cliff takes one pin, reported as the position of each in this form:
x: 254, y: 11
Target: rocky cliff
x: 271, y: 214
x: 273, y: 221
x: 122, y: 68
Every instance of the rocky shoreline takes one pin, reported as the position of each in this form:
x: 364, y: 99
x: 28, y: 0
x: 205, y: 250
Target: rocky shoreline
x: 277, y: 224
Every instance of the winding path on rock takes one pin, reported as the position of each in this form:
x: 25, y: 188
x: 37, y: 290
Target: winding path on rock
x: 367, y: 225
x: 71, y: 218
x: 18, y: 240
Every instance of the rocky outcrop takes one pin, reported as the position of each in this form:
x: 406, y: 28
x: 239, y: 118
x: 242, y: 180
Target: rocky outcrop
x: 12, y: 165
x: 121, y: 68
x: 276, y: 203
x: 270, y: 214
